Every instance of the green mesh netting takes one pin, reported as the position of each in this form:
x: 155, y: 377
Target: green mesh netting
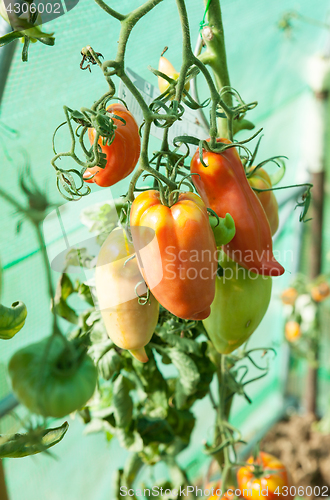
x: 265, y: 65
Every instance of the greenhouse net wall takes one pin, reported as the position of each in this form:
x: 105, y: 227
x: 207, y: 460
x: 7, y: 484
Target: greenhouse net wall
x: 265, y: 64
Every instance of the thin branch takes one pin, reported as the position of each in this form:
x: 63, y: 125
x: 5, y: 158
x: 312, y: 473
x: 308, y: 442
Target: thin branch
x: 110, y: 11
x: 128, y: 24
x: 11, y: 200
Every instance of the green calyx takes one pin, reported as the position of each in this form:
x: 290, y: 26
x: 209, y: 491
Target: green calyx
x: 223, y: 229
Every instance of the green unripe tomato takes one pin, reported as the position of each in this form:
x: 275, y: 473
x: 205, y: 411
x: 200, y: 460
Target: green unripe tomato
x: 241, y: 301
x: 52, y: 378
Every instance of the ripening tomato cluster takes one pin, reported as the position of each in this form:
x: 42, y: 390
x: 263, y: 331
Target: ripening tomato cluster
x: 217, y: 269
x: 219, y: 273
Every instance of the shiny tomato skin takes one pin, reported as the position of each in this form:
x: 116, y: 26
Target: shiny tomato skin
x: 289, y: 296
x: 224, y: 188
x: 166, y: 67
x: 320, y: 292
x: 122, y: 154
x: 261, y: 180
x: 179, y: 262
x: 241, y: 301
x: 292, y: 331
x: 277, y: 479
x: 50, y: 377
x: 129, y: 324
x: 216, y: 493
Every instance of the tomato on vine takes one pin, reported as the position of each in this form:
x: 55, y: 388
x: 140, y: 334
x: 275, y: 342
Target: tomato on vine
x: 176, y: 252
x: 289, y: 296
x: 123, y: 152
x: 130, y: 316
x: 52, y: 377
x: 224, y: 188
x: 266, y: 477
x: 260, y: 179
x: 166, y: 67
x: 292, y: 331
x: 320, y: 292
x: 241, y: 301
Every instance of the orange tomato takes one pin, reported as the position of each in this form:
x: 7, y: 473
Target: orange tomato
x: 261, y: 180
x: 166, y: 67
x: 224, y: 188
x: 122, y: 154
x: 320, y: 292
x: 176, y: 252
x: 289, y: 296
x: 216, y: 492
x: 266, y: 477
x: 292, y: 331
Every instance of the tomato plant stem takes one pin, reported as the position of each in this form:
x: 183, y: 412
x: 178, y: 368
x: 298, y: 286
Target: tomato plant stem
x: 127, y: 24
x: 215, y: 56
x: 35, y: 220
x: 110, y: 11
x: 48, y: 272
x: 13, y: 202
x: 3, y: 488
x: 189, y: 59
x: 222, y: 457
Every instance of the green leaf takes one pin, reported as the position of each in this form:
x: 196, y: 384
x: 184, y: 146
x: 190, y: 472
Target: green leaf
x: 132, y: 441
x: 79, y: 117
x: 189, y: 377
x: 94, y: 316
x: 206, y: 370
x: 154, y: 386
x: 46, y: 40
x: 242, y: 124
x: 149, y: 374
x: 178, y: 478
x: 122, y: 401
x: 63, y: 291
x: 84, y: 292
x: 156, y: 404
x: 98, y: 333
x: 21, y: 24
x: 10, y: 37
x: 64, y: 287
x: 279, y: 174
x: 181, y: 343
x: 109, y: 363
x: 12, y: 319
x: 35, y: 441
x: 153, y: 430
x: 132, y: 467
x: 182, y: 422
x: 78, y: 257
x: 99, y: 425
